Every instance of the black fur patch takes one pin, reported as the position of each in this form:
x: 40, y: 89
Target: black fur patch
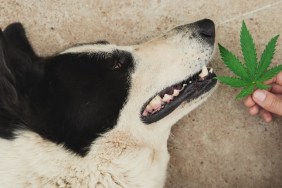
x: 18, y: 74
x: 69, y: 99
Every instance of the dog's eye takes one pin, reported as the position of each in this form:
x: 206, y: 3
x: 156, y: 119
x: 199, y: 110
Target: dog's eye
x: 118, y: 65
x: 120, y: 62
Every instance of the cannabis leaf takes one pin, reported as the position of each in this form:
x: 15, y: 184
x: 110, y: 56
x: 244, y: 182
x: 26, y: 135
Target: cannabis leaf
x: 252, y: 74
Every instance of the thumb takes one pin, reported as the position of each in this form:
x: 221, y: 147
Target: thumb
x: 268, y: 101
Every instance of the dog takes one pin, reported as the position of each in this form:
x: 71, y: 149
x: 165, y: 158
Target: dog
x: 98, y: 114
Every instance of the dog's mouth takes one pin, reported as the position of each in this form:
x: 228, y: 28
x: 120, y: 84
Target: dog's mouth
x: 167, y: 100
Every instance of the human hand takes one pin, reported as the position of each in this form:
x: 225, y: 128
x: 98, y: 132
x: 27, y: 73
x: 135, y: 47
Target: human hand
x: 268, y: 102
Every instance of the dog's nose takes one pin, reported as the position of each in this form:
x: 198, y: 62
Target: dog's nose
x: 206, y: 30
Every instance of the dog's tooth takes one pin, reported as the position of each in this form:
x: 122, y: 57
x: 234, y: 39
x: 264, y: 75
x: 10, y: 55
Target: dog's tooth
x: 156, y: 102
x: 176, y: 92
x: 167, y: 98
x: 158, y: 98
x: 183, y: 86
x: 149, y: 108
x: 211, y: 70
x: 204, y: 72
x: 190, y: 82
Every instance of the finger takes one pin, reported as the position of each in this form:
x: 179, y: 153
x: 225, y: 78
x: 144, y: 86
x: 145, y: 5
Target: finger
x: 249, y: 102
x: 279, y: 78
x: 273, y: 80
x: 267, y: 116
x: 268, y: 101
x: 254, y: 110
x: 276, y: 89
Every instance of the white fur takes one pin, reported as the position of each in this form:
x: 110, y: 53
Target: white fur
x: 115, y: 160
x: 95, y: 48
x: 130, y: 155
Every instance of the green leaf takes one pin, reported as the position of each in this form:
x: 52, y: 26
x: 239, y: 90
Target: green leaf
x: 232, y: 62
x: 252, y: 74
x: 234, y: 82
x: 270, y: 73
x: 262, y: 86
x: 267, y: 56
x: 248, y: 50
x: 246, y: 92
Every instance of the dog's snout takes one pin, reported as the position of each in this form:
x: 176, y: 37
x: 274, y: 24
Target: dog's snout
x: 206, y: 30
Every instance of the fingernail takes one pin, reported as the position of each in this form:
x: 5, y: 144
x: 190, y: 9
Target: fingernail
x: 260, y: 95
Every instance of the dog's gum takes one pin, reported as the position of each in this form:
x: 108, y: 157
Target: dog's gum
x: 145, y: 113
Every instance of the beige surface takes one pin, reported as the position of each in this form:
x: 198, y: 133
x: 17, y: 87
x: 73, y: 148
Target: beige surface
x: 217, y: 145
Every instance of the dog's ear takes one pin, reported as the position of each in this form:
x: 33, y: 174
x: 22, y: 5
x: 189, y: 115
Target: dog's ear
x: 16, y: 36
x: 8, y: 94
x: 17, y: 64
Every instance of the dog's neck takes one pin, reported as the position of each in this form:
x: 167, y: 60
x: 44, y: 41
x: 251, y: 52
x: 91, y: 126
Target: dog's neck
x: 148, y: 156
x: 153, y: 136
x: 116, y: 158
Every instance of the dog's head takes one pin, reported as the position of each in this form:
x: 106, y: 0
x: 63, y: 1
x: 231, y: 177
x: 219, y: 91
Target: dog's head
x: 73, y: 97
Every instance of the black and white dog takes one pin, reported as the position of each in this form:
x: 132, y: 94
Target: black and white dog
x: 97, y: 114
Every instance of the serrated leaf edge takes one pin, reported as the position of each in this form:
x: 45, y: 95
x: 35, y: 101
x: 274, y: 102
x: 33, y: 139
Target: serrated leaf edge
x: 240, y: 69
x: 234, y: 79
x: 248, y: 50
x: 246, y: 91
x: 270, y: 73
x: 269, y: 49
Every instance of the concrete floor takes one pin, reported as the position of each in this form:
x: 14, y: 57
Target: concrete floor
x: 217, y: 145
